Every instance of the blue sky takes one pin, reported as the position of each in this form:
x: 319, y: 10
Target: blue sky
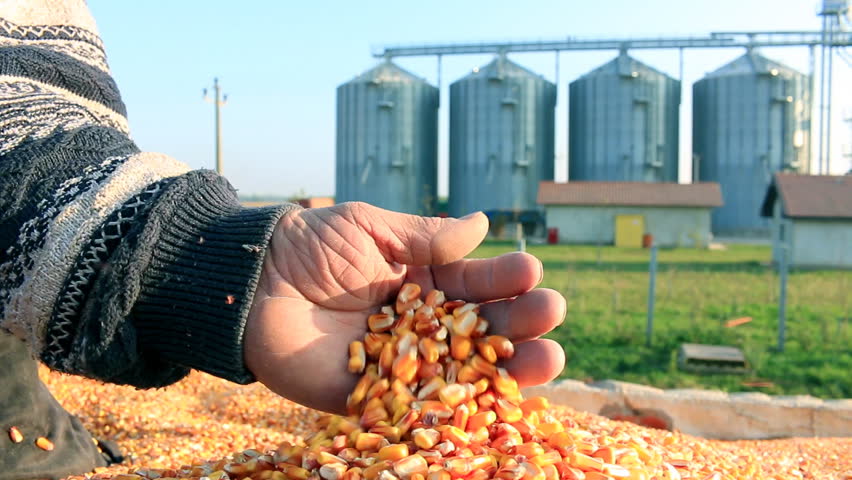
x: 280, y: 62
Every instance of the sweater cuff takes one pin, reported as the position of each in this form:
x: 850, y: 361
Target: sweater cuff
x: 198, y: 289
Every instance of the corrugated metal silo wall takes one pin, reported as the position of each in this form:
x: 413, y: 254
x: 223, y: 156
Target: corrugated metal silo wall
x: 621, y: 127
x: 744, y: 130
x: 387, y: 152
x: 501, y: 140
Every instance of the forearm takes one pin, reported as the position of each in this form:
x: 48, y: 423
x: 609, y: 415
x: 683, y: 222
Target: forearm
x: 116, y: 264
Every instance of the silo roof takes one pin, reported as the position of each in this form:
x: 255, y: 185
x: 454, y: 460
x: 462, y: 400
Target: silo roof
x: 387, y: 71
x: 502, y: 66
x: 617, y: 65
x: 644, y: 194
x: 752, y: 63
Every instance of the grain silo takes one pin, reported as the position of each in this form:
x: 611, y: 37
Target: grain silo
x: 387, y: 140
x: 750, y: 120
x: 501, y: 138
x: 623, y: 124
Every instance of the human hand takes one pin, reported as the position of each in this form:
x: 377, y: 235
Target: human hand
x: 327, y: 269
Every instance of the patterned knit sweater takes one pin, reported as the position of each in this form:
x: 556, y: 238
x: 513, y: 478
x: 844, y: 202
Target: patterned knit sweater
x: 115, y: 264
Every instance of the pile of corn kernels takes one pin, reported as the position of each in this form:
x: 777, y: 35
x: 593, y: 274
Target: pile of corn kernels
x: 431, y: 404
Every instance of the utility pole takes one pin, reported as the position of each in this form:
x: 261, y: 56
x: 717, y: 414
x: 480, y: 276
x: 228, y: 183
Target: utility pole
x: 217, y: 100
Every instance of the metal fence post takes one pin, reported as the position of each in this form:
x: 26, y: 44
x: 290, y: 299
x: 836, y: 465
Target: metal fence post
x: 652, y: 280
x: 782, y: 296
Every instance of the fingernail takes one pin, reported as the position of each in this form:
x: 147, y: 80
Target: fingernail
x: 470, y: 215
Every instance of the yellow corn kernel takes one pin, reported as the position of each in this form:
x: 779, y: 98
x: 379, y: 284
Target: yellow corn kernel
x: 325, y: 458
x: 503, y: 347
x: 386, y: 359
x: 486, y: 400
x: 430, y: 390
x: 405, y: 365
x: 357, y: 357
x: 15, y: 435
x: 529, y: 449
x: 372, y: 415
x: 560, y: 440
x: 453, y: 394
x: 505, y: 384
x: 295, y: 472
x: 380, y: 322
x: 353, y: 473
x: 405, y: 322
x: 407, y: 297
x: 507, y: 411
x: 464, y: 324
x: 480, y: 328
x: 372, y: 472
x: 429, y: 350
x: 426, y: 438
x: 388, y: 432
x: 430, y: 370
x: 547, y: 458
x: 607, y: 454
x: 463, y: 309
x: 439, y: 475
x: 460, y: 347
x: 459, y: 437
x: 482, y: 366
x: 435, y: 298
x: 44, y: 444
x: 378, y: 389
x: 481, y: 385
x: 368, y: 441
x: 404, y: 424
x: 457, y: 467
x: 393, y: 452
x: 480, y: 435
x: 534, y: 404
x: 486, y: 350
x: 410, y: 465
x: 460, y: 418
x: 532, y: 471
x: 467, y: 374
x: 441, y: 334
x: 481, y: 419
x: 585, y: 462
x: 402, y: 392
x: 373, y: 343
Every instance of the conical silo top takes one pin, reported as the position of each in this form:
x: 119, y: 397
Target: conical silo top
x: 387, y: 72
x: 753, y: 63
x: 625, y: 66
x: 499, y: 68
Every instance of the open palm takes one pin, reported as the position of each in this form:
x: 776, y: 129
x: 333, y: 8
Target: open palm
x: 327, y: 269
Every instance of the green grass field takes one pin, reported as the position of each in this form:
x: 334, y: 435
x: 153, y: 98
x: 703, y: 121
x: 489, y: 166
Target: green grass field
x: 697, y: 292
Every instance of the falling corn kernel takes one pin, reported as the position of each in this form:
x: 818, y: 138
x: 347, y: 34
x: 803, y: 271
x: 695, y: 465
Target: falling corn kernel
x: 44, y: 444
x: 15, y: 435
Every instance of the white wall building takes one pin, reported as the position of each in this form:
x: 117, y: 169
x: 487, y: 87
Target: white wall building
x: 811, y: 219
x: 622, y: 213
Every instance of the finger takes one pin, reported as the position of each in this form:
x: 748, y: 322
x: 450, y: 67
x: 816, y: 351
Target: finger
x: 536, y: 362
x: 526, y: 317
x: 416, y: 240
x: 479, y: 280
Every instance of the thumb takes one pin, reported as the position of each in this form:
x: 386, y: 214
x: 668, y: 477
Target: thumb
x: 416, y: 240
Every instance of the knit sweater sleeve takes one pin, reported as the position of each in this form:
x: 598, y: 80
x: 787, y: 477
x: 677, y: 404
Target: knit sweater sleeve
x: 115, y: 264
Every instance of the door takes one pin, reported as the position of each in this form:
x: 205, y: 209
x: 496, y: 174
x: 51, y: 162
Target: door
x: 629, y: 230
